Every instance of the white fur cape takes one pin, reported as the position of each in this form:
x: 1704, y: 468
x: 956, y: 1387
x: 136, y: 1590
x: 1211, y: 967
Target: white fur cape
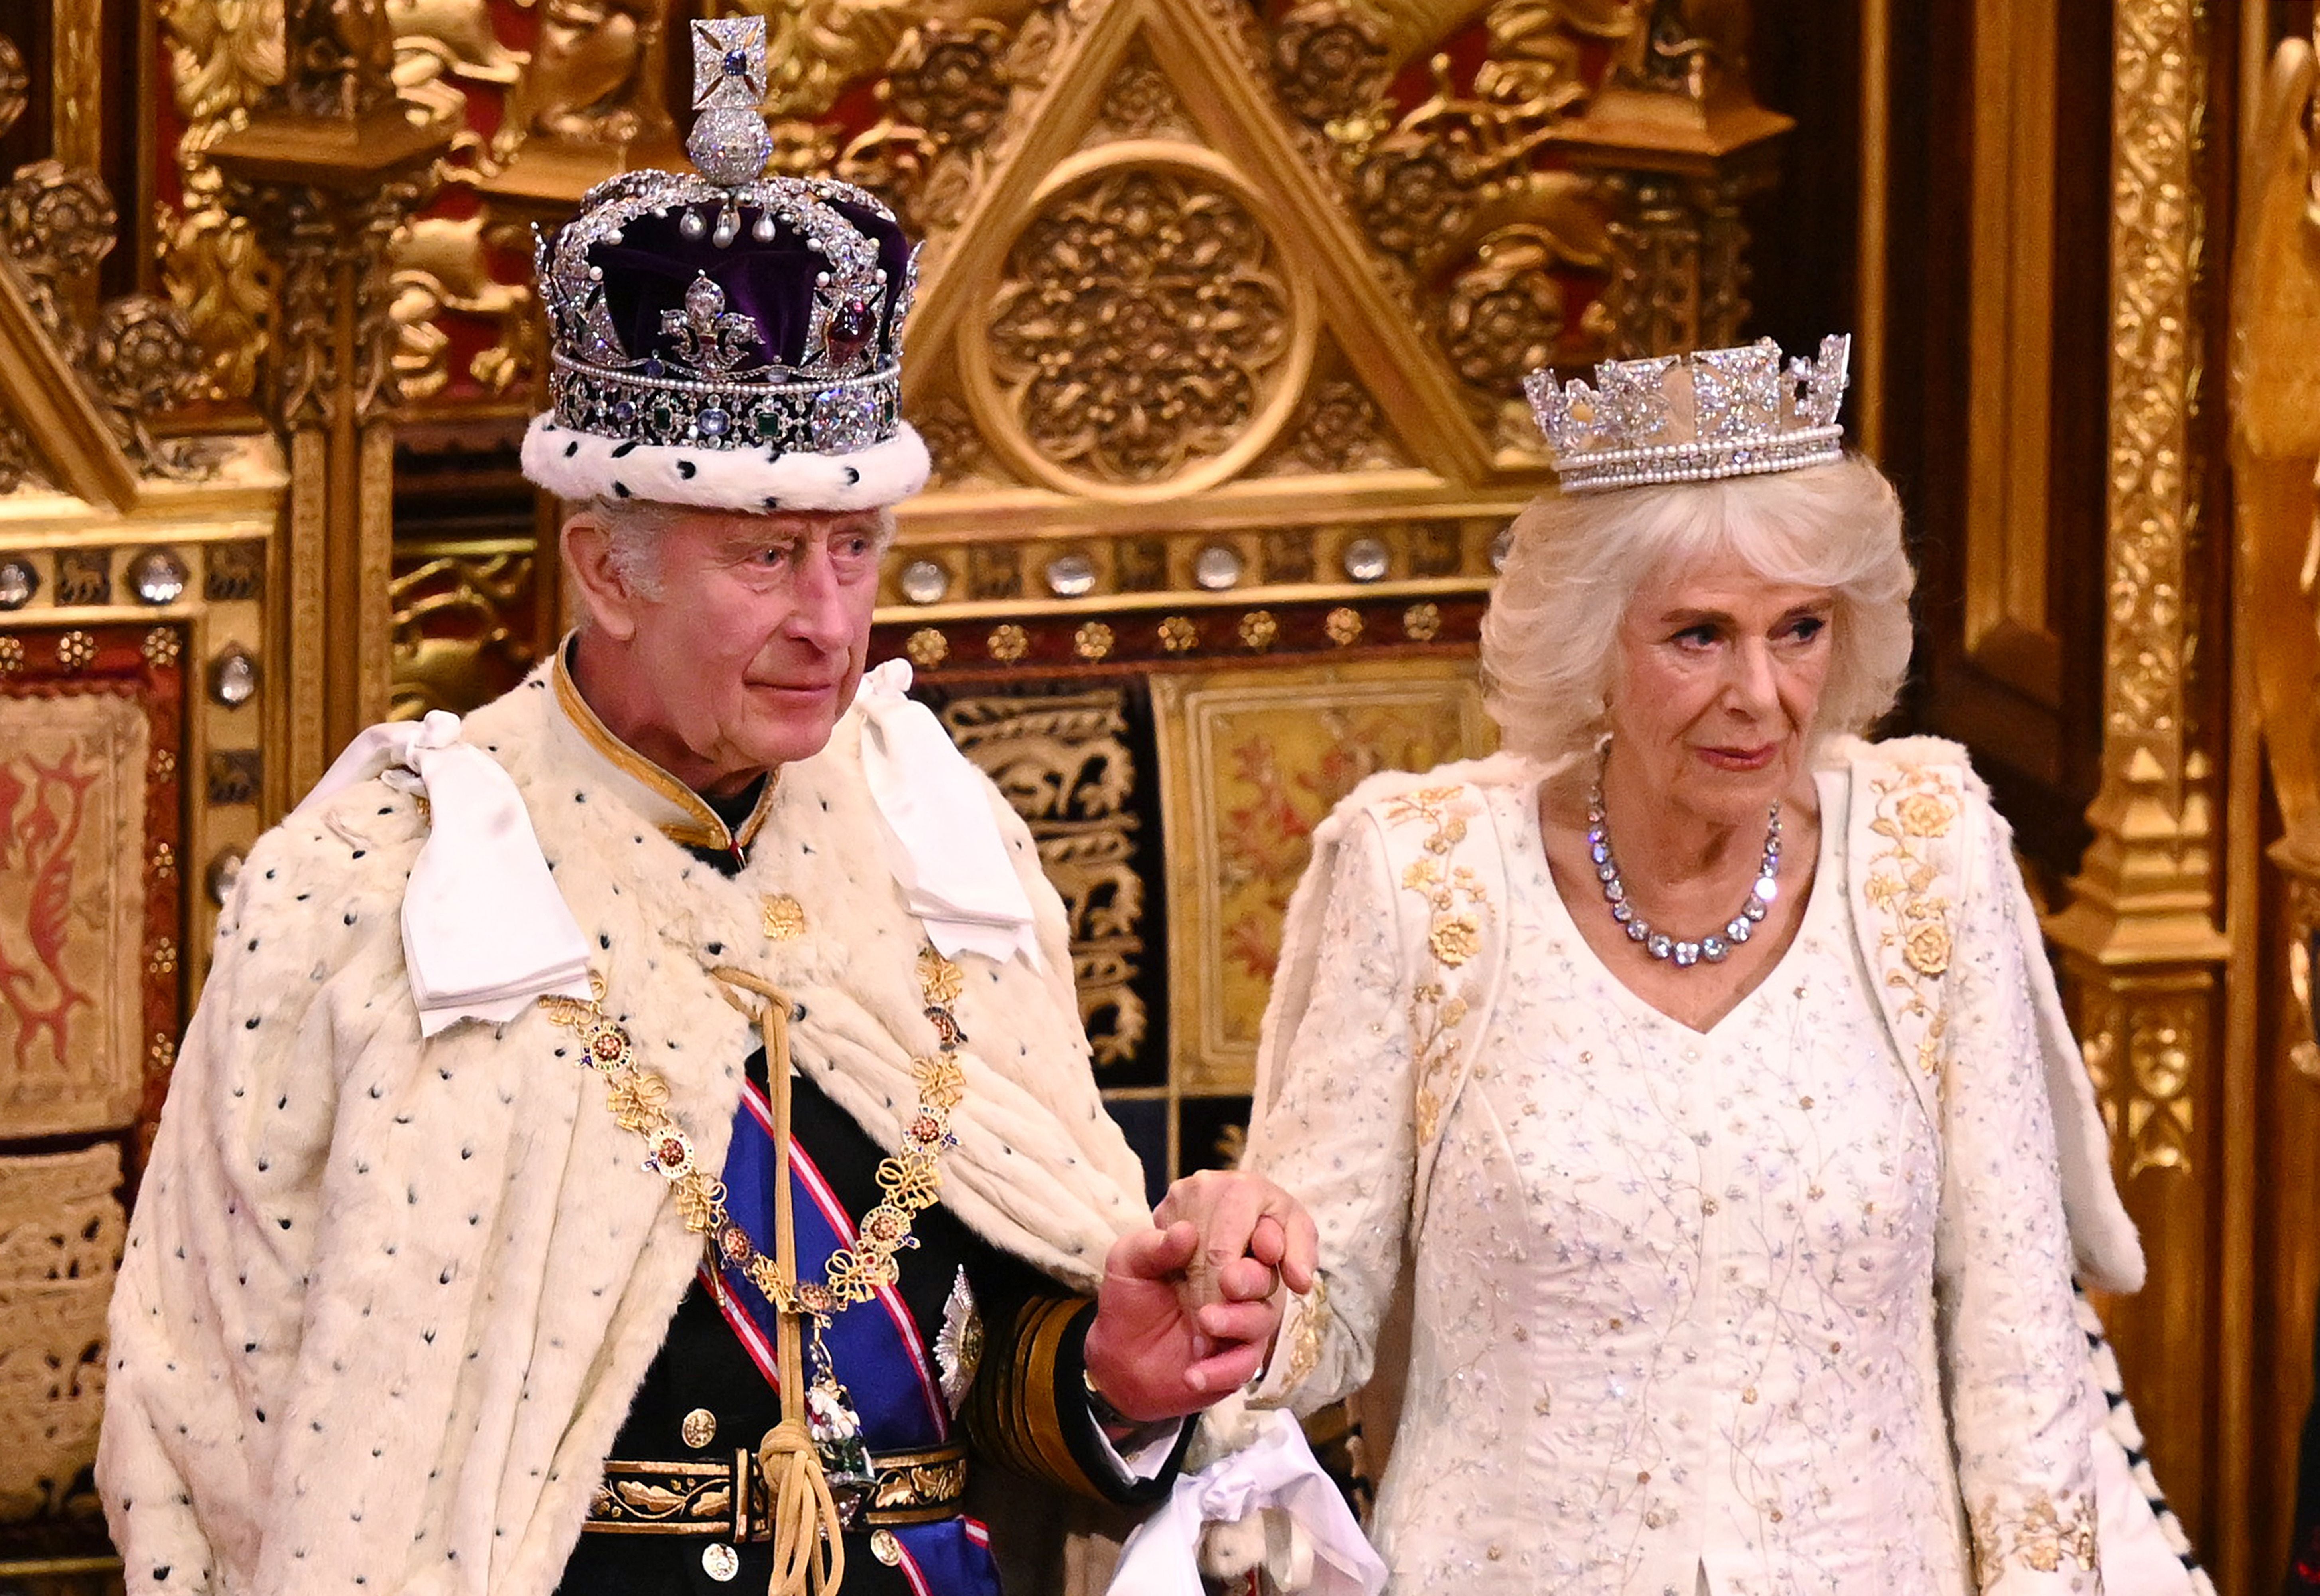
x: 386, y: 1301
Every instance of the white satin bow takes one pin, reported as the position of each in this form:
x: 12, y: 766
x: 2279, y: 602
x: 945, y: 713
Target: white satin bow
x: 945, y: 850
x: 1276, y: 1475
x: 485, y: 931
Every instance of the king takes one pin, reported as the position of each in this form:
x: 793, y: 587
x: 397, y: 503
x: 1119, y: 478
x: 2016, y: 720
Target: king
x: 642, y: 1138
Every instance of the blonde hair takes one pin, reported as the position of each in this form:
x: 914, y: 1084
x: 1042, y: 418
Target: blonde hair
x: 1550, y: 637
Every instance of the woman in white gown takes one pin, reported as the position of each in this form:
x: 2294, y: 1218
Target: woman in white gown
x: 1701, y: 1064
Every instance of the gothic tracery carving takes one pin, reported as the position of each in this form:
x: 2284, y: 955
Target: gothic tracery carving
x: 1140, y: 325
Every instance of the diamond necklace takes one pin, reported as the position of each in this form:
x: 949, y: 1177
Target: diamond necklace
x: 1683, y: 954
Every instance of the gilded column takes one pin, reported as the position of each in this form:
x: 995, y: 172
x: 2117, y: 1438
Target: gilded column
x: 2268, y: 1230
x: 2143, y: 946
x: 328, y: 169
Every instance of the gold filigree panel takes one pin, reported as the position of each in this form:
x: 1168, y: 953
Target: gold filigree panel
x: 465, y: 626
x: 223, y: 59
x: 1444, y: 133
x: 2158, y: 236
x: 1147, y: 330
x: 2302, y: 1005
x: 2145, y: 1040
x: 597, y: 74
x: 1140, y: 104
x: 72, y: 911
x: 1250, y: 762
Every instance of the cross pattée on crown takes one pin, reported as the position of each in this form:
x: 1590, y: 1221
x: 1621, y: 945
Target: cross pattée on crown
x: 729, y: 62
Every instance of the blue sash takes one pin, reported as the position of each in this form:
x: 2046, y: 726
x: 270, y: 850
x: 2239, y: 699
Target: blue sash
x: 875, y: 1346
x: 952, y: 1558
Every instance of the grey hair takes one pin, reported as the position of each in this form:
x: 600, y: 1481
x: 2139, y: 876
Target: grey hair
x: 634, y: 526
x: 1550, y: 637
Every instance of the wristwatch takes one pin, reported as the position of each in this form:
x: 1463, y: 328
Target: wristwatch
x: 1100, y: 1408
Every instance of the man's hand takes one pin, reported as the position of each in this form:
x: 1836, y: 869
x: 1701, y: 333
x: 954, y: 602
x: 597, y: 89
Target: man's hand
x: 1188, y: 1309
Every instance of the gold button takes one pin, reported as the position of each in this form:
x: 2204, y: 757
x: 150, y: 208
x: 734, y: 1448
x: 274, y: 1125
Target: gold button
x: 719, y: 1562
x: 785, y: 916
x: 887, y: 1546
x: 1748, y: 1395
x: 1496, y: 1552
x: 700, y: 1428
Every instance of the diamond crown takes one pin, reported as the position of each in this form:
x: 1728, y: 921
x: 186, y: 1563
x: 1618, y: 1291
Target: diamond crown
x: 706, y: 381
x: 1695, y: 417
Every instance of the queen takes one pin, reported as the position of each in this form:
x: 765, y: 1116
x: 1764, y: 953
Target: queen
x: 1699, y: 1063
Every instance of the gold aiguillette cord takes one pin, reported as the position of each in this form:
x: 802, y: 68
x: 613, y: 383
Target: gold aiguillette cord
x: 809, y: 1541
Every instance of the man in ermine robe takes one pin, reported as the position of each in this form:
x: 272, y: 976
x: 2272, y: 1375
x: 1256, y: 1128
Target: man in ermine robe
x: 641, y: 1138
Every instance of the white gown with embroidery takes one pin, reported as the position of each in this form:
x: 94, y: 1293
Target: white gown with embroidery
x: 1687, y: 1304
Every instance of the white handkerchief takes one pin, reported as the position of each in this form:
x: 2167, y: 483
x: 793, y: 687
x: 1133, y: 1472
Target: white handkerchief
x: 1277, y: 1471
x: 944, y: 844
x: 485, y: 931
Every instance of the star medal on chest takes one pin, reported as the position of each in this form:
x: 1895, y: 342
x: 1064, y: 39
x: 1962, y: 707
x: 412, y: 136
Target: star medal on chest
x: 910, y: 1182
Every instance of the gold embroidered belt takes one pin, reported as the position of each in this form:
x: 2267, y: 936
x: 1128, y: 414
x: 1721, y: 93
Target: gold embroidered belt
x: 699, y: 1496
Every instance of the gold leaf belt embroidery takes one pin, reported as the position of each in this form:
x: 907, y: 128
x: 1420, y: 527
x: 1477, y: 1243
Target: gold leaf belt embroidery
x: 697, y: 1496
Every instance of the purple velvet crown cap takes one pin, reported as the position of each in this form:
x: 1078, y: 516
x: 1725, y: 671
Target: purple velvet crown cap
x: 647, y: 272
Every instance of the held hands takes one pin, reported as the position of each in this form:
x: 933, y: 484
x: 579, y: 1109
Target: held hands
x: 1188, y: 1309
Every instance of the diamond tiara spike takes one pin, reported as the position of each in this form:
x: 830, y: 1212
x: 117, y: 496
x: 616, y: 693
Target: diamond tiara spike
x: 1695, y: 417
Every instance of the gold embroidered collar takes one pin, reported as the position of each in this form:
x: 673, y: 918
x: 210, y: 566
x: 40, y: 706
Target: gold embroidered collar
x: 677, y: 810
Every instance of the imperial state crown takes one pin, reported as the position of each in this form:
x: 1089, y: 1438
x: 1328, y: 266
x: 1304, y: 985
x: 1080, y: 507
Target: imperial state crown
x: 725, y: 339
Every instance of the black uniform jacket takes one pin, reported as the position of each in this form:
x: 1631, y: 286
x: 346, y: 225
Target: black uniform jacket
x: 1026, y: 1414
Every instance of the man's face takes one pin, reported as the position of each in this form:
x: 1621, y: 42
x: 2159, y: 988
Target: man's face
x: 746, y: 645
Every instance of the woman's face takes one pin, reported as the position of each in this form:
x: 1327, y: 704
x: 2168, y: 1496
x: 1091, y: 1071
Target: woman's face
x: 1719, y: 681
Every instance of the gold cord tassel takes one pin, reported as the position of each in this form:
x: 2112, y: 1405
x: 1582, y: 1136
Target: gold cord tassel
x: 809, y: 1540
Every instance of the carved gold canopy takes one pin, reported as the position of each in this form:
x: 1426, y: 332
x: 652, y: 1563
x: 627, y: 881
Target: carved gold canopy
x: 1225, y: 308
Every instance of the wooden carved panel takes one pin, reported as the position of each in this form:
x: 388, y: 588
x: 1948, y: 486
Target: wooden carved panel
x: 1063, y: 762
x: 61, y: 1228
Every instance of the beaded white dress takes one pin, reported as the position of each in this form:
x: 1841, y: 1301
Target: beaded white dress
x: 1687, y: 1304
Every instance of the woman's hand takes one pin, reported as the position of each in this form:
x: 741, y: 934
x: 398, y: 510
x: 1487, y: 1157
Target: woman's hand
x: 1188, y: 1309
x: 1254, y: 1236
